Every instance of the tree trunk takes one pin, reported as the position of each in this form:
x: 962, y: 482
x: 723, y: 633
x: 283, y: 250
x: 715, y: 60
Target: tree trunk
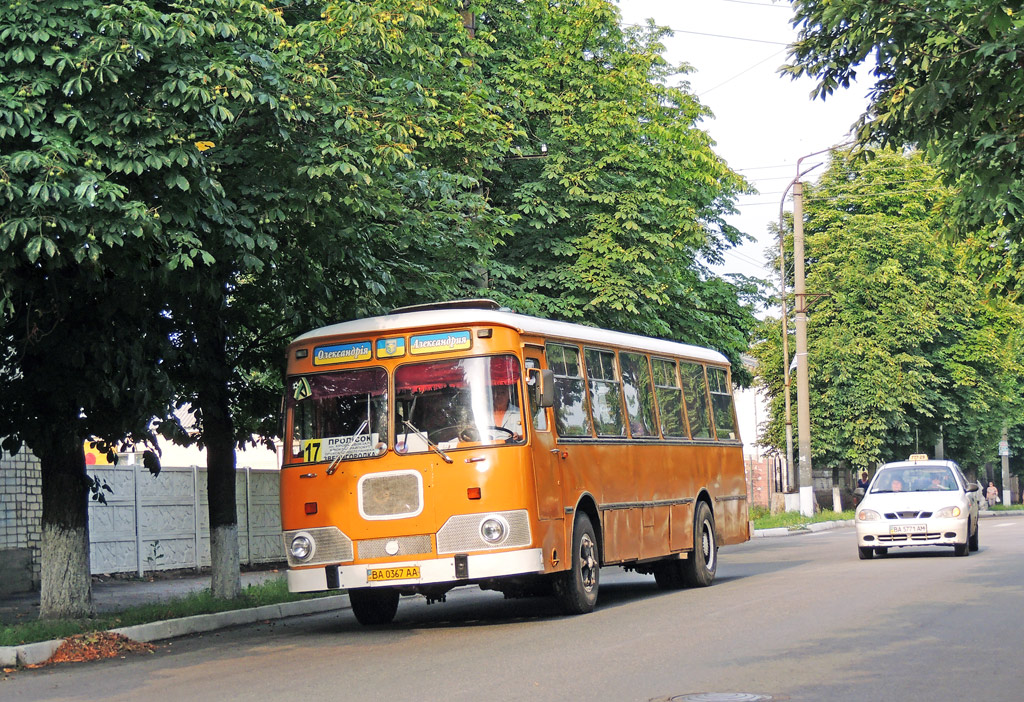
x: 66, y: 581
x: 218, y: 435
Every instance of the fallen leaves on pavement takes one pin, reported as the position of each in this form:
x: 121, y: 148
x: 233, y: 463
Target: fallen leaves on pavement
x: 95, y: 646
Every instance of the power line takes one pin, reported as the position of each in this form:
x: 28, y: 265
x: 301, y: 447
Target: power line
x: 744, y: 71
x: 774, y: 6
x: 708, y: 34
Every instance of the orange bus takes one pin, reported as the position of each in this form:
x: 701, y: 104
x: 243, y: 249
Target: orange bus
x: 461, y: 443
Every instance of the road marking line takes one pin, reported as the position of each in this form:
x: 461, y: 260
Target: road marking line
x: 1000, y: 526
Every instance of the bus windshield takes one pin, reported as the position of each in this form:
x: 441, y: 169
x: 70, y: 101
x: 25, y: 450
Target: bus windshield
x: 456, y: 403
x: 340, y: 415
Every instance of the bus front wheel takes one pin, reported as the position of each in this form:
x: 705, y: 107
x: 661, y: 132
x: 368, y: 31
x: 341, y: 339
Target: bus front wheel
x: 699, y: 569
x: 373, y: 605
x: 576, y: 588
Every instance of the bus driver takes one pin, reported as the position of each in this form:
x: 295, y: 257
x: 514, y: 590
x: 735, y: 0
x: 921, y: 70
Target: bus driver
x: 506, y: 412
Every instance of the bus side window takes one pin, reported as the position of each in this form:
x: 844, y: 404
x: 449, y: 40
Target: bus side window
x: 571, y: 415
x: 695, y: 389
x: 670, y: 398
x: 636, y: 386
x: 537, y: 413
x: 721, y: 404
x: 605, y: 394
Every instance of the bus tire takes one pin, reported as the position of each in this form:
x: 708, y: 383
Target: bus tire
x: 699, y: 569
x: 576, y: 588
x: 374, y: 605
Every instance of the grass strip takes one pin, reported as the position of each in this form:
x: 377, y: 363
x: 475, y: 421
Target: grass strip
x: 199, y: 602
x: 764, y: 519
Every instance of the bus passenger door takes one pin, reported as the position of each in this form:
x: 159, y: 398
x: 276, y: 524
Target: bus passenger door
x: 547, y: 467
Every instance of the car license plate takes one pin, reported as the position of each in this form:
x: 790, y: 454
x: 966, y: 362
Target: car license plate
x: 908, y: 528
x: 376, y: 575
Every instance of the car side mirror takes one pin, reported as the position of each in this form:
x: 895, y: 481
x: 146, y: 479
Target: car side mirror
x: 973, y: 487
x: 544, y: 379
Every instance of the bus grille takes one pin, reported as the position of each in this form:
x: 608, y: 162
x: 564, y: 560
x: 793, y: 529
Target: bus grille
x: 331, y: 546
x: 390, y: 495
x: 403, y: 546
x: 462, y: 533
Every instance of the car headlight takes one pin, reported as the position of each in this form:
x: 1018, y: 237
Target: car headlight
x: 946, y: 512
x: 868, y: 515
x: 302, y: 547
x: 494, y: 529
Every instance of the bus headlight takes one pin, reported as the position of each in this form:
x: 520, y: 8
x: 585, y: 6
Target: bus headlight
x: 494, y: 529
x: 302, y: 547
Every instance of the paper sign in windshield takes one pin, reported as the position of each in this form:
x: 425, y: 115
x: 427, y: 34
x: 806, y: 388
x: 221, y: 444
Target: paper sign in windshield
x: 346, y: 447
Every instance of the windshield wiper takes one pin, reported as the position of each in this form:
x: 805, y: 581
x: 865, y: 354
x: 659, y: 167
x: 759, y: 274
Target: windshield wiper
x: 352, y: 442
x: 433, y: 447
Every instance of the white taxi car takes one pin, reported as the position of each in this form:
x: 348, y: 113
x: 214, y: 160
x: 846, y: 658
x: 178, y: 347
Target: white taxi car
x: 919, y: 502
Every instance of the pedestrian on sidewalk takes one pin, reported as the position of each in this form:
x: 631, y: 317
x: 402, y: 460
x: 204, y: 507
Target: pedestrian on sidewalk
x: 992, y: 494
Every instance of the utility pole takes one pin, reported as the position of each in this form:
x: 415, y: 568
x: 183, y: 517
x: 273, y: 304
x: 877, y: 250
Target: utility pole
x: 1004, y: 457
x: 803, y: 416
x: 804, y: 476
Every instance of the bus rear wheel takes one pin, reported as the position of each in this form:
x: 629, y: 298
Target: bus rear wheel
x: 374, y: 605
x: 576, y: 588
x: 699, y: 569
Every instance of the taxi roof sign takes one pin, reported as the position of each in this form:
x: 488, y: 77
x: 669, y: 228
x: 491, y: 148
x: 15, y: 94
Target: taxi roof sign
x: 919, y: 457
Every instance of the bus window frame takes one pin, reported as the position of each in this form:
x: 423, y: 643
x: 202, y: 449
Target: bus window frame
x: 616, y: 379
x: 656, y: 417
x: 684, y: 417
x: 732, y: 401
x: 589, y: 434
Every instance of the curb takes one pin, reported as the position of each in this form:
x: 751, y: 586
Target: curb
x: 1001, y: 513
x: 803, y: 529
x: 34, y: 653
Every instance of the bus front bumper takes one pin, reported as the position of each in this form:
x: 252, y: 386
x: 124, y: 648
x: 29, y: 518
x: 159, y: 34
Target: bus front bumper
x: 440, y: 570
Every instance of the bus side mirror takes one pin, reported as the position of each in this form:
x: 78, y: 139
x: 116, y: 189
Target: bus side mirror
x: 544, y: 380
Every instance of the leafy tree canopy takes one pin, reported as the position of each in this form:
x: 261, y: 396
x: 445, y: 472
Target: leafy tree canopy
x: 617, y: 196
x: 904, y: 346
x: 948, y: 79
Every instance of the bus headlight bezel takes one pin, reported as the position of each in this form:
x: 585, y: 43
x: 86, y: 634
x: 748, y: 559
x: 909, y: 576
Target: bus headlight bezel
x: 302, y: 547
x: 494, y: 529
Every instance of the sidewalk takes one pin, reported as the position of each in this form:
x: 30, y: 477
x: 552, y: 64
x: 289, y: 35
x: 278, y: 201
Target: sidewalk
x: 113, y: 594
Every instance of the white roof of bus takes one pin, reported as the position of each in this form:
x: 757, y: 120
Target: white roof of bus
x: 524, y: 323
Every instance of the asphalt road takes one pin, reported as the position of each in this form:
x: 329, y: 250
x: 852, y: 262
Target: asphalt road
x: 798, y: 618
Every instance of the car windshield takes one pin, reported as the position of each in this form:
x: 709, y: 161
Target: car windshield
x: 339, y: 416
x: 457, y: 403
x: 914, y: 479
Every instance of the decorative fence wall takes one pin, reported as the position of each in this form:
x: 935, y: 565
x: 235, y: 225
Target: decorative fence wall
x: 162, y: 522
x: 148, y: 523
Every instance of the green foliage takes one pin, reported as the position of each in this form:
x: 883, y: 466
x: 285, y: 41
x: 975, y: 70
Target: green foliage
x: 904, y: 345
x: 948, y: 79
x: 617, y: 196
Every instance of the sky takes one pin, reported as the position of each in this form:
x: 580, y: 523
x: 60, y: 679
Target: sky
x: 763, y: 121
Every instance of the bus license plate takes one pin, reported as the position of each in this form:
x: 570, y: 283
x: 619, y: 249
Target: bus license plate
x: 908, y: 529
x: 376, y: 575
